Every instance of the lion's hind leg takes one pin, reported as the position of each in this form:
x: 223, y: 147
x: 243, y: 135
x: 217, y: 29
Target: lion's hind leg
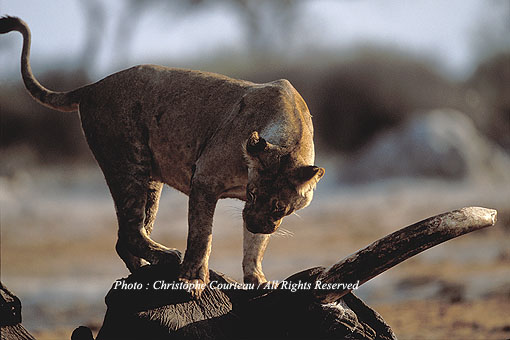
x: 119, y: 141
x: 136, y: 203
x: 136, y: 199
x: 151, y: 208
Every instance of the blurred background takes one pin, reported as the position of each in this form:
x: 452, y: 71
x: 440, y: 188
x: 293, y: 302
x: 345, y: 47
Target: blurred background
x: 411, y: 107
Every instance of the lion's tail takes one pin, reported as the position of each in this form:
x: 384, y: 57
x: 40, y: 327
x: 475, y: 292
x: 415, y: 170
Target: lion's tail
x: 62, y: 101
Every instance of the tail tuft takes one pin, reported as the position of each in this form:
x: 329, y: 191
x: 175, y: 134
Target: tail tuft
x: 8, y: 23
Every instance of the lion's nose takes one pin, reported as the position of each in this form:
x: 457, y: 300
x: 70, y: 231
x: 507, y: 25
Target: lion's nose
x: 263, y: 228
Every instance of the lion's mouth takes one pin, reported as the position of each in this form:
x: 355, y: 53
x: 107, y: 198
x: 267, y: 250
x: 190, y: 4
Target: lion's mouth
x: 266, y: 228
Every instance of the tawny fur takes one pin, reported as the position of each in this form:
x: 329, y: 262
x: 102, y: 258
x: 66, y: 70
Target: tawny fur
x: 199, y: 133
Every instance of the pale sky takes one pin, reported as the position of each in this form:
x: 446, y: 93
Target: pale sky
x: 440, y: 30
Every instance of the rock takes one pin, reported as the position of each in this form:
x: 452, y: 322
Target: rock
x: 442, y: 143
x: 148, y: 313
x: 10, y: 317
x: 82, y: 333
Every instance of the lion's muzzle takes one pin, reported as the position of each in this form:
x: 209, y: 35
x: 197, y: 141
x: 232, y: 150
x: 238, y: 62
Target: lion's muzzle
x: 268, y: 227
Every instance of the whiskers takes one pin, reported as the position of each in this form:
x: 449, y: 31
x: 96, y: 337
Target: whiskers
x: 282, y: 232
x: 295, y: 214
x: 234, y: 211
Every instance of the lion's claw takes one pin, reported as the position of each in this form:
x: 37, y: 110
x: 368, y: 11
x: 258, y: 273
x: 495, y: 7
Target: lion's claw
x: 194, y: 286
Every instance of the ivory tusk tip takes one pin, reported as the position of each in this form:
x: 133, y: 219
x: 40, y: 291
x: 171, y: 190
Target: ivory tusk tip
x: 485, y: 216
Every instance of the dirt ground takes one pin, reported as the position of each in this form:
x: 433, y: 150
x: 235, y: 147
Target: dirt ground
x: 478, y: 319
x: 58, y: 233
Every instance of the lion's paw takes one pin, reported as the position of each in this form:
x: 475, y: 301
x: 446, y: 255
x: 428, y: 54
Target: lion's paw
x: 256, y: 278
x: 166, y: 256
x: 194, y: 286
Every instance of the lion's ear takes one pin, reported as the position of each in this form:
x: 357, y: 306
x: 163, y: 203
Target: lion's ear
x: 255, y: 144
x: 308, y: 174
x: 260, y: 153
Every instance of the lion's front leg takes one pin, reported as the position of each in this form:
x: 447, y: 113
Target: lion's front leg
x: 194, y: 268
x: 254, y: 246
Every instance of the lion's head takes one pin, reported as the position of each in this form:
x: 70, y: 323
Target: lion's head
x: 277, y: 185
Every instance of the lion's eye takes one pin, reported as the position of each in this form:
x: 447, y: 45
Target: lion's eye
x: 278, y: 208
x: 251, y: 196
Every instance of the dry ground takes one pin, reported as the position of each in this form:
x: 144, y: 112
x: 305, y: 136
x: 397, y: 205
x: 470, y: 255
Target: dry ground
x: 58, y: 235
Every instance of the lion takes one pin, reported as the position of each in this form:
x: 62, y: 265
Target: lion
x: 204, y: 134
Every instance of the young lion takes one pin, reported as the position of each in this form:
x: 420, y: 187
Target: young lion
x: 204, y: 134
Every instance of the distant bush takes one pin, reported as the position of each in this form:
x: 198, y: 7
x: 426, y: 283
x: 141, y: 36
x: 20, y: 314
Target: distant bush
x: 51, y: 136
x: 351, y: 99
x: 491, y: 84
x: 373, y: 91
